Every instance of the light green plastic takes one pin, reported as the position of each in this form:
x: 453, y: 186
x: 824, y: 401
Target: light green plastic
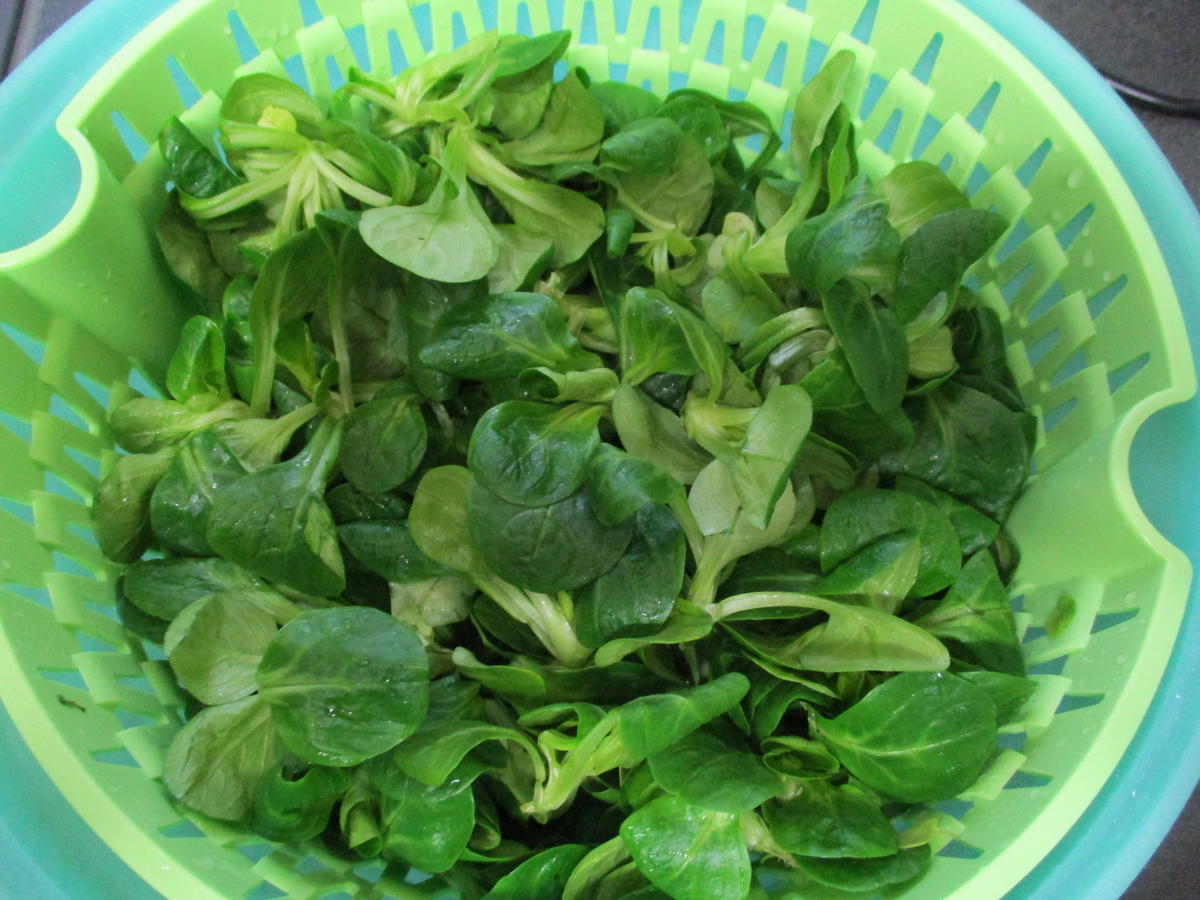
x: 1096, y: 341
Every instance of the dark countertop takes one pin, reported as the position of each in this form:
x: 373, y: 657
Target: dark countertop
x: 1152, y: 43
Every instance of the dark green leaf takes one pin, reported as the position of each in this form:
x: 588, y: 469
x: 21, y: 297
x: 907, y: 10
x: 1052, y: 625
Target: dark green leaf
x: 917, y: 737
x: 534, y: 453
x: 344, y: 685
x: 275, y: 523
x: 969, y: 445
x: 935, y: 257
x: 634, y: 598
x: 218, y: 761
x: 121, y: 509
x: 502, y: 336
x: 873, y: 341
x: 387, y: 549
x: 297, y: 810
x: 534, y: 547
x: 182, y: 501
x: 688, y: 852
x: 867, y: 874
x: 831, y: 822
x: 852, y: 238
x: 542, y: 877
x: 621, y: 484
x: 384, y: 442
x: 712, y: 770
x: 975, y: 618
x: 859, y: 518
x: 215, y: 644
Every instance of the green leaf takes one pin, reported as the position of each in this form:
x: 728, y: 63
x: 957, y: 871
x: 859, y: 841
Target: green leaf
x: 217, y: 762
x: 344, y: 685
x: 192, y: 167
x: 867, y: 874
x: 438, y: 748
x: 1008, y: 692
x: 541, y: 877
x: 164, y: 587
x: 916, y: 737
x: 916, y: 192
x: 524, y: 256
x: 975, y: 618
x: 251, y: 95
x: 121, y: 509
x: 384, y: 442
x: 795, y: 757
x: 634, y: 597
x: 854, y: 639
x: 438, y: 522
x: 655, y: 722
x: 147, y: 424
x: 831, y: 822
x: 883, y: 572
x: 975, y: 530
x: 215, y: 644
x: 188, y: 251
x: 852, y: 238
x: 663, y: 175
x: 768, y: 454
x: 618, y: 229
x: 621, y: 484
x: 570, y: 130
x: 275, y: 523
x: 426, y: 303
x: 841, y: 413
x: 590, y: 386
x: 198, y: 364
x: 181, y: 504
x: 297, y: 810
x: 873, y: 341
x: 688, y: 852
x: 349, y: 504
x: 652, y: 338
x: 388, y: 549
x: 534, y: 453
x: 622, y: 103
x: 502, y: 336
x: 684, y: 625
x: 969, y: 445
x: 534, y: 547
x: 935, y: 257
x: 697, y: 117
x: 447, y: 238
x: 427, y: 827
x: 431, y: 603
x: 713, y: 770
x: 570, y: 220
x: 858, y: 518
x: 293, y: 282
x: 816, y: 103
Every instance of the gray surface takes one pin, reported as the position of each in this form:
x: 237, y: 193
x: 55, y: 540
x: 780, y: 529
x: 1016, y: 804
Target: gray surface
x: 1153, y: 43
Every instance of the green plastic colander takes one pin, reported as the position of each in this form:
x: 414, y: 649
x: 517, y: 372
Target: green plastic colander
x: 1097, y: 343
